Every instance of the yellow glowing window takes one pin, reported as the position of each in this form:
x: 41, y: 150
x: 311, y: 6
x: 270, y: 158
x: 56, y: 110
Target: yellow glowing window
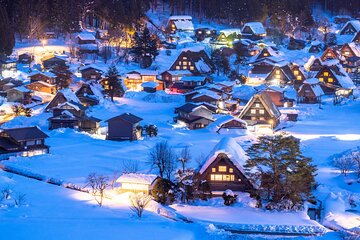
x: 191, y: 68
x: 231, y: 170
x: 321, y: 79
x: 347, y: 53
x: 298, y: 78
x: 177, y: 67
x: 266, y: 54
x: 213, y: 169
x: 330, y: 80
x: 326, y: 74
x: 277, y: 76
x: 296, y: 72
x: 261, y: 111
x: 184, y: 67
x: 277, y: 72
x: 179, y: 62
x: 185, y: 62
x: 329, y: 54
x: 216, y: 177
x: 184, y: 58
x: 253, y: 111
x: 222, y: 168
x: 257, y: 105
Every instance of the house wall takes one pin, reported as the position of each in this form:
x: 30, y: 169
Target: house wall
x: 41, y: 88
x: 91, y: 75
x: 120, y: 130
x: 233, y: 180
x: 40, y: 77
x: 306, y: 95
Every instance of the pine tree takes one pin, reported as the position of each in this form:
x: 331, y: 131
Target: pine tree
x: 7, y: 39
x: 145, y: 47
x: 286, y: 176
x: 114, y: 83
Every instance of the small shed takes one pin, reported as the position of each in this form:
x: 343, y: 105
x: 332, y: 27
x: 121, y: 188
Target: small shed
x: 149, y: 87
x: 137, y: 182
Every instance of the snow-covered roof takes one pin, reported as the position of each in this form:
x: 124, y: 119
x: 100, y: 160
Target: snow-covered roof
x: 44, y: 83
x: 193, y: 78
x: 21, y: 89
x: 343, y: 77
x: 86, y: 36
x: 209, y: 93
x: 137, y: 178
x: 90, y: 46
x: 202, y: 66
x: 312, y: 81
x: 194, y: 49
x: 354, y: 23
x: 149, y: 85
x: 218, y: 123
x: 182, y: 22
x: 243, y: 92
x: 355, y: 47
x: 69, y: 104
x: 226, y: 83
x: 91, y: 66
x: 144, y: 72
x: 228, y: 32
x: 179, y: 72
x: 70, y: 95
x: 46, y: 73
x: 315, y: 43
x: 256, y: 27
x: 229, y: 147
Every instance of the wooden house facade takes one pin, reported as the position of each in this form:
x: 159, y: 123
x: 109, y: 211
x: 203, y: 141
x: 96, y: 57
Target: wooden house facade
x: 41, y: 86
x: 280, y: 76
x: 86, y: 95
x: 310, y: 91
x: 179, y: 24
x: 124, y: 127
x: 253, y: 31
x: 169, y: 77
x: 53, y: 61
x: 26, y: 142
x: 350, y: 28
x: 195, y: 60
x: 134, y: 79
x: 90, y: 73
x: 329, y: 54
x: 260, y: 110
x: 334, y: 77
x: 223, y: 168
x: 47, y: 77
x: 19, y: 94
x: 193, y: 116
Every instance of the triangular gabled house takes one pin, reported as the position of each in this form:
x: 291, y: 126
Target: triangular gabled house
x: 356, y: 38
x: 65, y: 95
x: 310, y: 91
x: 350, y: 28
x: 223, y: 168
x: 87, y: 95
x: 280, y: 76
x: 329, y: 54
x: 195, y: 60
x: 261, y: 110
x: 349, y: 50
x: 267, y: 52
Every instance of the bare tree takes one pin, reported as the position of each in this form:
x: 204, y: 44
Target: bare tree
x: 6, y: 193
x: 19, y: 199
x: 184, y: 157
x: 98, y: 185
x: 344, y: 163
x: 113, y: 180
x: 139, y: 202
x: 356, y: 156
x: 129, y: 166
x: 162, y: 157
x: 35, y: 27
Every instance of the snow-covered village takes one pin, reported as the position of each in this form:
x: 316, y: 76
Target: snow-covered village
x: 179, y: 119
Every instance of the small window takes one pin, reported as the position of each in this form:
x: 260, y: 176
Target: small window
x: 321, y: 79
x: 231, y: 170
x: 326, y: 74
x: 222, y: 168
x: 257, y: 105
x: 177, y: 67
x: 184, y: 58
x: 277, y: 72
x: 330, y: 80
x: 213, y: 169
x: 185, y: 67
x: 185, y: 63
x: 277, y: 76
x: 266, y: 54
x: 329, y: 54
x: 262, y: 111
x: 296, y: 72
x: 191, y: 68
x: 299, y: 78
x: 253, y: 111
x: 180, y: 62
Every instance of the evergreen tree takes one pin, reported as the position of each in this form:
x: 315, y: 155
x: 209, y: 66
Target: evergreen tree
x: 7, y: 39
x: 286, y: 176
x: 145, y: 47
x: 114, y: 83
x: 221, y: 62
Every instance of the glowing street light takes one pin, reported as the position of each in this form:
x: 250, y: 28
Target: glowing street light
x: 43, y: 42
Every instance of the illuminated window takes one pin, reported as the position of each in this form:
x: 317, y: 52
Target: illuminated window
x: 330, y: 80
x: 222, y: 168
x: 277, y: 72
x: 213, y: 169
x: 329, y: 54
x: 191, y: 68
x: 321, y: 79
x: 253, y: 111
x: 266, y: 54
x: 185, y: 62
x: 222, y: 177
x: 296, y: 72
x: 262, y: 118
x: 347, y: 53
x: 185, y: 67
x: 257, y: 105
x: 177, y: 67
x: 184, y: 58
x: 298, y: 78
x: 326, y: 74
x: 262, y: 111
x: 179, y: 62
x: 277, y: 76
x: 231, y: 170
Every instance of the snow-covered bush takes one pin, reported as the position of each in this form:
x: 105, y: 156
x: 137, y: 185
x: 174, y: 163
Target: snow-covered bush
x: 229, y: 197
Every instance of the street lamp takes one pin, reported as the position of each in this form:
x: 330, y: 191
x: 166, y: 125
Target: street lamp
x: 43, y: 42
